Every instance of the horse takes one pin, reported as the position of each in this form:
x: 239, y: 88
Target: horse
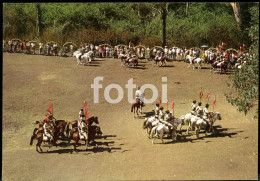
x: 136, y: 106
x: 159, y: 59
x: 40, y: 137
x: 91, y: 133
x: 194, y: 60
x: 161, y: 129
x: 59, y: 124
x: 148, y: 123
x: 88, y: 57
x: 201, y: 123
x: 218, y: 64
x: 213, y: 116
x: 89, y: 121
x: 187, y: 121
x: 131, y: 62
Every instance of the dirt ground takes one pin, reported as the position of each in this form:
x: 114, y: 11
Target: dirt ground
x: 32, y: 82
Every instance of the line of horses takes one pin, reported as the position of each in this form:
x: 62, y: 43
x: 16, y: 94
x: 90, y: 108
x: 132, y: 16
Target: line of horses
x: 66, y: 131
x: 162, y: 124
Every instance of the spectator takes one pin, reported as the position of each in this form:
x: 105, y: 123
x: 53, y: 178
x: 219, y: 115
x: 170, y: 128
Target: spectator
x: 15, y: 46
x: 107, y: 51
x: 28, y: 47
x: 33, y: 47
x: 100, y: 51
x: 48, y: 48
x: 40, y: 48
x: 148, y: 51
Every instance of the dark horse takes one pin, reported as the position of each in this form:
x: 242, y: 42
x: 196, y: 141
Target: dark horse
x: 74, y: 123
x: 39, y: 136
x: 92, y: 131
x: 59, y: 124
x: 136, y: 106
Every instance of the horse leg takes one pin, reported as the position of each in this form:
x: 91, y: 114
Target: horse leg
x: 39, y: 145
x: 161, y: 136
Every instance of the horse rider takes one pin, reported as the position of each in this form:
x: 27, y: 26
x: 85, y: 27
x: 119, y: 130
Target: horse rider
x: 199, y: 110
x: 47, y: 127
x: 51, y: 118
x: 157, y: 109
x: 139, y: 96
x: 193, y: 107
x: 205, y: 113
x: 167, y: 115
x: 82, y: 127
x: 81, y: 112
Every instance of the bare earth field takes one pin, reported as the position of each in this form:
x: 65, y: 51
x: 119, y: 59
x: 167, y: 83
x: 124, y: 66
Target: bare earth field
x: 32, y: 82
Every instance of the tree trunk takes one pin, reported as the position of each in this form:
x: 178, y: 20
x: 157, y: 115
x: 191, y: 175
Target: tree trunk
x: 38, y: 19
x: 164, y: 15
x: 187, y: 5
x: 236, y: 9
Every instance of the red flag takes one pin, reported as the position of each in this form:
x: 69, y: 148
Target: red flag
x: 244, y: 45
x: 220, y: 46
x: 167, y: 104
x: 201, y: 94
x: 50, y: 108
x: 241, y: 48
x: 85, y: 104
x: 172, y: 105
x: 47, y: 117
x: 160, y: 100
x: 224, y: 44
x: 214, y: 102
x: 208, y: 96
x: 87, y: 115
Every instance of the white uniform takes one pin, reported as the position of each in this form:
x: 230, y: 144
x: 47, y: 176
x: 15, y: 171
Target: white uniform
x: 82, y: 128
x: 47, y: 130
x: 205, y: 113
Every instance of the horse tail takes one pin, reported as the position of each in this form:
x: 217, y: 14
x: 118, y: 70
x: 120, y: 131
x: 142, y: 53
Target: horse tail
x: 34, y: 131
x: 68, y: 129
x: 132, y: 108
x: 145, y: 120
x: 33, y: 136
x: 153, y: 132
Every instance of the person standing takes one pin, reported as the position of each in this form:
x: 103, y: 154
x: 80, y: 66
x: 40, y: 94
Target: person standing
x: 28, y: 45
x: 33, y: 47
x: 40, y: 48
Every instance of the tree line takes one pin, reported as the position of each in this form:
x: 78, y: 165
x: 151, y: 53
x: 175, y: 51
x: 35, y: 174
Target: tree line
x: 173, y: 24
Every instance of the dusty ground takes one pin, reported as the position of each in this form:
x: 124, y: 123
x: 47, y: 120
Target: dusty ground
x: 32, y: 82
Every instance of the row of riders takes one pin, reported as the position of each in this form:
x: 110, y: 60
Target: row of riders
x: 51, y: 129
x: 219, y: 59
x: 165, y: 123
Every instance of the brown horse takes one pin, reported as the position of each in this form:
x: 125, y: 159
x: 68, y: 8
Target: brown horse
x: 74, y: 124
x: 92, y: 131
x: 60, y: 124
x: 136, y: 106
x: 133, y: 62
x: 39, y: 136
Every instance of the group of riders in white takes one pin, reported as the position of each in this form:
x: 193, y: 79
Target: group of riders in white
x: 162, y: 123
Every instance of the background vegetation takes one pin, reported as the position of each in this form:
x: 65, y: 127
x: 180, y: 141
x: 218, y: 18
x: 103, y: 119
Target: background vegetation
x: 187, y: 24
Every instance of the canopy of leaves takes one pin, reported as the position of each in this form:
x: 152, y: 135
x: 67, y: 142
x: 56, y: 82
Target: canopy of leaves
x: 204, y: 23
x: 245, y: 82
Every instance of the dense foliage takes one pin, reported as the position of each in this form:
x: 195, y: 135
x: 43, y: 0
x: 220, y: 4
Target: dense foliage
x: 114, y: 23
x: 246, y: 81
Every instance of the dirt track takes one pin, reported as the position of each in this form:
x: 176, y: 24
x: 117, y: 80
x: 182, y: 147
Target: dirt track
x: 32, y: 82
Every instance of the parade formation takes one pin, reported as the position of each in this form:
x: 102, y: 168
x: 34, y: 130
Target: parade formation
x: 222, y: 59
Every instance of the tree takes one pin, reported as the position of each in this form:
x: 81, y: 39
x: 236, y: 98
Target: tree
x: 236, y: 9
x: 245, y: 81
x: 38, y: 19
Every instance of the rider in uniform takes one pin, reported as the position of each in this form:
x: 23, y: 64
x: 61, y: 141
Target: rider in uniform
x: 139, y: 96
x: 205, y: 113
x: 82, y: 126
x: 48, y: 130
x: 199, y: 110
x: 193, y: 107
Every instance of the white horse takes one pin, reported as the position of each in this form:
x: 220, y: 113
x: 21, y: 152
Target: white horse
x: 195, y: 60
x: 85, y: 58
x: 187, y: 121
x: 201, y: 124
x: 161, y: 129
x: 213, y: 116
